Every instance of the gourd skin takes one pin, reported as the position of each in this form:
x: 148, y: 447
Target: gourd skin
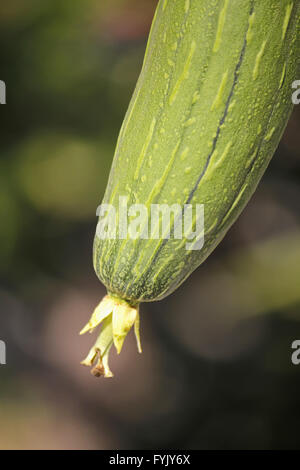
x: 207, y: 114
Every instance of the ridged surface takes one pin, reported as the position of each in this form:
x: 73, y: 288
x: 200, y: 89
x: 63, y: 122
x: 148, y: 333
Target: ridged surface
x: 207, y: 114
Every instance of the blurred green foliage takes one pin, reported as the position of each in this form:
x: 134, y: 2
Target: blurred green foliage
x: 69, y: 79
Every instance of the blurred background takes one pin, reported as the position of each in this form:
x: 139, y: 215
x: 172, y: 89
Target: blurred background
x: 216, y: 372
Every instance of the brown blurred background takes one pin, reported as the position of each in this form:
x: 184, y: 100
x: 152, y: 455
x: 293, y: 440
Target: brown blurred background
x: 216, y: 371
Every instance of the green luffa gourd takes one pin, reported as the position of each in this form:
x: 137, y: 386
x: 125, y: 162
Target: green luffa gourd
x: 210, y: 106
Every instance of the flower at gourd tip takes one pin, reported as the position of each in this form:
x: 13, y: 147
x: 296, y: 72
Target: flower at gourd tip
x: 117, y: 318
